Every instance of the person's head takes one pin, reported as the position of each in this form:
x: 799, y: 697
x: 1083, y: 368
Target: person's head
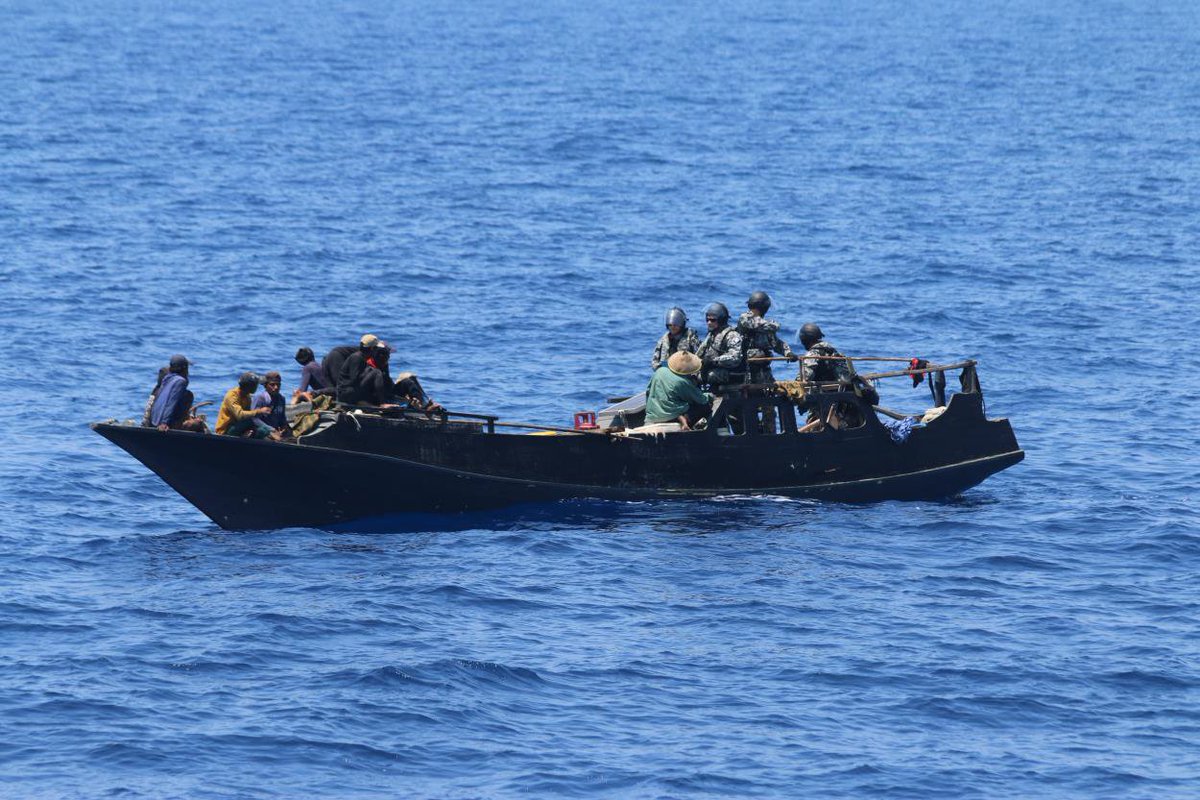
x: 676, y: 320
x: 179, y: 364
x: 247, y: 383
x: 716, y: 316
x: 759, y: 302
x: 810, y: 334
x: 383, y: 352
x: 304, y: 355
x: 684, y: 363
x: 272, y: 381
x: 368, y: 343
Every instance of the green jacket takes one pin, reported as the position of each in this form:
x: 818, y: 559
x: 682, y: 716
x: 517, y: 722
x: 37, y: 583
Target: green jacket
x: 669, y: 395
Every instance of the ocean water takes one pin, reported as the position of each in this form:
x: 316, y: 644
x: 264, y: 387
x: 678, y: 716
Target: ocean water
x: 513, y: 194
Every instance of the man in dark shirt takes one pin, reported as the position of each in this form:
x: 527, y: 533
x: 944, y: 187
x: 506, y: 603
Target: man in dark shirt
x: 351, y: 378
x: 270, y: 397
x: 331, y: 365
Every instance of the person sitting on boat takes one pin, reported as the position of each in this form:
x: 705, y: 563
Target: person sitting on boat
x: 271, y: 398
x: 352, y: 376
x: 679, y: 337
x: 409, y: 392
x: 721, y: 351
x: 312, y: 378
x: 672, y: 395
x: 404, y: 392
x: 173, y: 400
x: 331, y: 364
x: 823, y: 364
x: 236, y: 418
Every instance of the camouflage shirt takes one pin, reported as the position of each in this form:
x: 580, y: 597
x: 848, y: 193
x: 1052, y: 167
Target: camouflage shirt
x: 668, y: 345
x: 825, y: 370
x: 760, y: 336
x: 721, y: 348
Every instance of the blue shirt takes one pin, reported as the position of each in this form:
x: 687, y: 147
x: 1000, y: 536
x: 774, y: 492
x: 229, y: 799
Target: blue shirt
x: 278, y: 416
x: 165, y: 410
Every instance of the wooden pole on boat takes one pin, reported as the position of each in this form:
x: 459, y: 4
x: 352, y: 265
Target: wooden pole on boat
x: 832, y: 358
x: 554, y: 428
x: 491, y: 421
x: 931, y: 368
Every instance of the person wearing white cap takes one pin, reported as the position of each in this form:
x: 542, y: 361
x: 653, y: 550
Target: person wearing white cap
x: 351, y: 377
x: 672, y: 395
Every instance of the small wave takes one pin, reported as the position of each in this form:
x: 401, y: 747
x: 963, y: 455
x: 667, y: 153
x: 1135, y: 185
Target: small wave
x: 1011, y: 562
x: 1141, y: 679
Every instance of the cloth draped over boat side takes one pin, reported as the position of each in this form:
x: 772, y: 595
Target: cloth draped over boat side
x: 899, y: 429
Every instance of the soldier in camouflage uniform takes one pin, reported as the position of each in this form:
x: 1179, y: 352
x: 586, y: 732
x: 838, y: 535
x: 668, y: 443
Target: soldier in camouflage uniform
x: 827, y: 370
x: 679, y: 337
x: 760, y: 338
x: 721, y: 351
x: 822, y: 370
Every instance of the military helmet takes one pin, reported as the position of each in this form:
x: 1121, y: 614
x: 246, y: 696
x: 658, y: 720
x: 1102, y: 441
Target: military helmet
x: 675, y: 316
x: 760, y: 301
x: 810, y: 334
x: 717, y: 311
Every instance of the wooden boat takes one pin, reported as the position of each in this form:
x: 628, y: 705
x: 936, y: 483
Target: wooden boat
x: 360, y: 464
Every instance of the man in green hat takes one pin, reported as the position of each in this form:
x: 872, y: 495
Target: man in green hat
x: 673, y: 396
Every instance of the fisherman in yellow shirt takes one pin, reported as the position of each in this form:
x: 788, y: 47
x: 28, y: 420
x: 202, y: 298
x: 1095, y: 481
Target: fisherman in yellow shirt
x: 236, y: 418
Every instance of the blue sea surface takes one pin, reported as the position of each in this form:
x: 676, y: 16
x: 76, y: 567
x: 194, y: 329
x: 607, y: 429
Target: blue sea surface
x: 513, y: 193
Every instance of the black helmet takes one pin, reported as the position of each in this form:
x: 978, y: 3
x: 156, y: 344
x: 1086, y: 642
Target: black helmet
x: 675, y: 316
x: 810, y: 334
x: 248, y: 381
x: 760, y: 301
x: 717, y: 311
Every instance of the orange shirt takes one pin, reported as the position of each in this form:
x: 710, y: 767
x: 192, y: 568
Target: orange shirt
x: 235, y: 407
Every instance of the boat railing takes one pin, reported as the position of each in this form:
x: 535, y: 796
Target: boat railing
x: 490, y: 421
x: 755, y: 396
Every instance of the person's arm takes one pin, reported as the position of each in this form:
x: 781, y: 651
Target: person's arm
x: 781, y: 347
x: 691, y: 392
x: 237, y: 413
x: 749, y: 323
x: 657, y: 359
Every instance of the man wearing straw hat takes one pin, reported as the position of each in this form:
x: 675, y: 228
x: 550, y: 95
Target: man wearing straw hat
x: 672, y: 396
